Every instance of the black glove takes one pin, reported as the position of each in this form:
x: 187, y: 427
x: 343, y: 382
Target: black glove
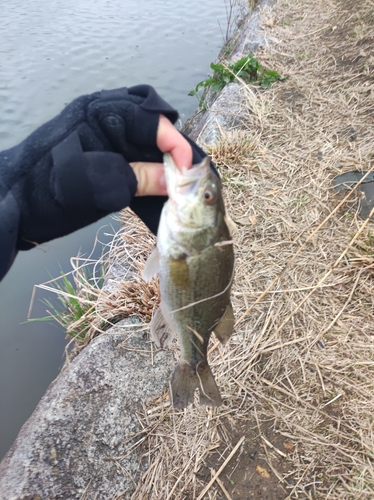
x: 75, y: 169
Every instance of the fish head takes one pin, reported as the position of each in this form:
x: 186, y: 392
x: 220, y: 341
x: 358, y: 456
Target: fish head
x: 195, y: 198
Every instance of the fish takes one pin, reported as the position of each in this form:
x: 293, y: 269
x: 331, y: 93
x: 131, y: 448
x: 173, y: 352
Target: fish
x: 194, y: 259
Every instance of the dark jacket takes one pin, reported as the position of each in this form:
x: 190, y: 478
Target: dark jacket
x: 75, y: 169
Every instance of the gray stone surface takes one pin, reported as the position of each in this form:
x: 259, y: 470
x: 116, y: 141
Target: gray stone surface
x: 252, y: 36
x: 227, y: 112
x: 71, y: 447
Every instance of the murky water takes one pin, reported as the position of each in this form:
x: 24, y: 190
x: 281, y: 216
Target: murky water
x: 50, y: 53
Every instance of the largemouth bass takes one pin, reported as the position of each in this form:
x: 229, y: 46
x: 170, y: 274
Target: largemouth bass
x: 194, y: 258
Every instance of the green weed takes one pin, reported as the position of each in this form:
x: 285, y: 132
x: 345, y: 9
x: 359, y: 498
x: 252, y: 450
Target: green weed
x: 247, y: 68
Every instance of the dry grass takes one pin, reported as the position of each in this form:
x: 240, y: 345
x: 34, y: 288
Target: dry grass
x: 88, y: 308
x: 297, y: 378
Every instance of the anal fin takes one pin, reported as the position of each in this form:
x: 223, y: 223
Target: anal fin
x: 225, y: 327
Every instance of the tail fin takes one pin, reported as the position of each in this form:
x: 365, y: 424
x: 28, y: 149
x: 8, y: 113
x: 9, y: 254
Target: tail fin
x: 209, y: 393
x: 186, y: 379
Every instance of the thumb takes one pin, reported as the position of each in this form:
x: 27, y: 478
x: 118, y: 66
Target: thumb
x: 150, y: 177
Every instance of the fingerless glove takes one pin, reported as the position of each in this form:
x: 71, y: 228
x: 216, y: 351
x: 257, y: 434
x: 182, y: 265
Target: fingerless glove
x: 74, y: 169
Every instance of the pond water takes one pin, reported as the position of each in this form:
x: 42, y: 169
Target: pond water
x: 50, y: 53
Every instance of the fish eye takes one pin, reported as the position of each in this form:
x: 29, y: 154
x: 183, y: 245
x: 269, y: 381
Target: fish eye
x: 209, y: 196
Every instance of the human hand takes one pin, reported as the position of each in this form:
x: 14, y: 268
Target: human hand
x: 151, y: 176
x: 78, y: 163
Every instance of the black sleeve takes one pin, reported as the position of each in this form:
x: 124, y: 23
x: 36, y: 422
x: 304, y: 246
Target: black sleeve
x: 75, y: 169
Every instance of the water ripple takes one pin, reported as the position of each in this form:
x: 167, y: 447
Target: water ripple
x: 51, y: 52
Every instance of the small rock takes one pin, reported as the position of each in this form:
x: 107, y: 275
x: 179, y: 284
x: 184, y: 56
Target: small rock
x: 72, y: 445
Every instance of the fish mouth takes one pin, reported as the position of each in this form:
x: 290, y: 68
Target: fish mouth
x: 185, y: 181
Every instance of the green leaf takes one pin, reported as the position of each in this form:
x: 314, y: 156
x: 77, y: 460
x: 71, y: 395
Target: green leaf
x: 272, y: 74
x: 210, y: 81
x: 248, y: 68
x: 217, y: 67
x: 217, y: 87
x: 37, y: 320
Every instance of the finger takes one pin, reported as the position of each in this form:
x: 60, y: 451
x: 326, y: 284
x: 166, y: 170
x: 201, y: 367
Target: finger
x: 150, y: 177
x: 169, y: 140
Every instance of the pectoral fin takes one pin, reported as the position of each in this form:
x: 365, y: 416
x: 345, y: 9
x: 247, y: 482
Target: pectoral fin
x: 225, y: 327
x: 161, y: 330
x: 152, y: 266
x: 233, y: 228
